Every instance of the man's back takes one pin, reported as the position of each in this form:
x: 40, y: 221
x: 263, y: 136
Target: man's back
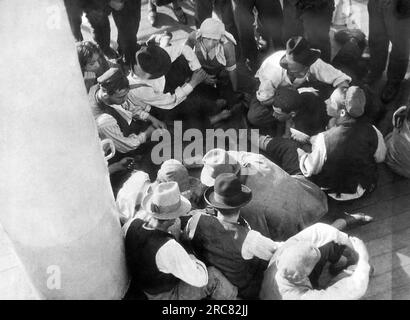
x: 219, y: 244
x: 141, y: 246
x: 350, y: 150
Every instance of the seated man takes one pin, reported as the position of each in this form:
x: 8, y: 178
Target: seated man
x: 158, y: 264
x: 281, y: 206
x: 343, y: 159
x: 398, y: 143
x: 226, y: 241
x: 138, y: 185
x: 113, y: 116
x: 301, y: 110
x: 298, y: 66
x: 295, y: 268
x: 148, y: 80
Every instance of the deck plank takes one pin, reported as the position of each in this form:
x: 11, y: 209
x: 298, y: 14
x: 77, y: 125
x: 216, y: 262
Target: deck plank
x: 387, y: 238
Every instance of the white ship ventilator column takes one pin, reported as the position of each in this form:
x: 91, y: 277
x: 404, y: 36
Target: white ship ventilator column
x: 56, y: 202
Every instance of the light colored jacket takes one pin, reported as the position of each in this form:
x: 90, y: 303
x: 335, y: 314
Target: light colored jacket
x: 282, y: 205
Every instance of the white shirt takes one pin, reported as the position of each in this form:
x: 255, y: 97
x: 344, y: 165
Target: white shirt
x: 254, y: 245
x: 272, y: 76
x: 109, y: 128
x: 172, y: 258
x: 150, y: 93
x: 352, y: 287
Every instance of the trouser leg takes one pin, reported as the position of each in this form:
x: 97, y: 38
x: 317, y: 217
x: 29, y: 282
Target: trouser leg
x: 378, y: 39
x: 203, y: 10
x: 127, y: 21
x: 217, y: 288
x: 316, y: 27
x: 283, y: 152
x: 398, y: 33
x: 101, y: 28
x: 244, y: 17
x: 292, y: 25
x: 260, y: 116
x: 271, y: 17
x: 224, y: 11
x: 74, y: 13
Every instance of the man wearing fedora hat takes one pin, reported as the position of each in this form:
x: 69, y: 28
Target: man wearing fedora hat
x: 138, y: 185
x: 158, y: 264
x: 226, y: 241
x: 312, y: 19
x: 343, y: 158
x: 148, y: 79
x: 281, y: 205
x: 114, y: 116
x: 298, y: 66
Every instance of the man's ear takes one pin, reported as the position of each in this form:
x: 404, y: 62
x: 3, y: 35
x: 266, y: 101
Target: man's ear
x: 292, y: 114
x: 342, y: 112
x: 103, y: 93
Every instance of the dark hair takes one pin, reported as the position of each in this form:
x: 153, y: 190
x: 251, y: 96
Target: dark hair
x: 85, y: 52
x: 113, y: 80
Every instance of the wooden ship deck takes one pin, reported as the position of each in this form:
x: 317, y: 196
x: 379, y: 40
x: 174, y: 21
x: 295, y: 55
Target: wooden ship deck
x: 387, y: 238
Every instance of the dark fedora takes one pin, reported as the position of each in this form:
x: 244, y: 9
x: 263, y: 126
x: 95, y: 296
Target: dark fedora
x: 228, y: 192
x: 299, y: 50
x: 153, y: 60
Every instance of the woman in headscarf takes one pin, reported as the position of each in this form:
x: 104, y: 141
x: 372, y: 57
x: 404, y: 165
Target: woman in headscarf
x: 215, y: 49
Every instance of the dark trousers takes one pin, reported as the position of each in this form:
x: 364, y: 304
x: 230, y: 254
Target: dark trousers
x: 260, y: 116
x: 283, y: 152
x: 223, y: 9
x: 271, y: 19
x: 127, y: 21
x: 314, y: 25
x: 385, y: 26
x: 74, y: 13
x: 330, y: 252
x: 101, y: 29
x: 196, y: 109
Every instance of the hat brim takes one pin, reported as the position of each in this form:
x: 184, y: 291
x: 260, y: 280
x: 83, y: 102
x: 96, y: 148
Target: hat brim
x: 206, y: 175
x: 209, y: 196
x: 183, y: 209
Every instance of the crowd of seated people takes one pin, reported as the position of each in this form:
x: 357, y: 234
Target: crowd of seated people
x: 250, y: 227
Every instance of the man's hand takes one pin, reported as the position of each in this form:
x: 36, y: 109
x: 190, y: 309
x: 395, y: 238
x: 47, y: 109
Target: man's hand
x: 210, y: 79
x: 157, y: 124
x: 148, y: 132
x: 360, y: 248
x: 198, y: 77
x: 120, y: 165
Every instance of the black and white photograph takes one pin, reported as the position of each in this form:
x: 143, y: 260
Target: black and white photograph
x: 219, y: 151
